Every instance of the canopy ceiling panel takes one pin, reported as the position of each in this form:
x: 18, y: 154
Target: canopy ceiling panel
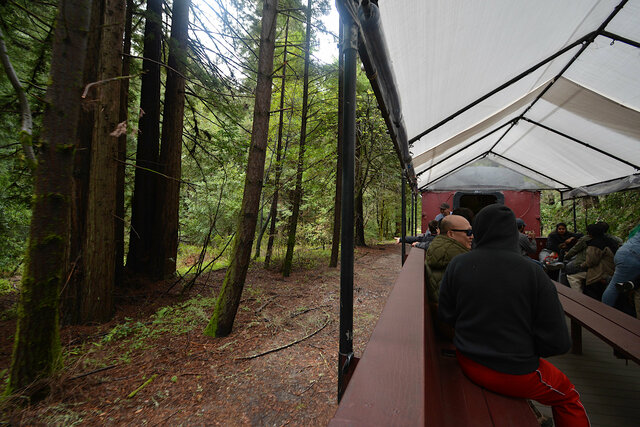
x: 490, y: 106
x: 590, y: 118
x: 446, y: 163
x: 466, y: 48
x: 490, y: 124
x: 611, y: 70
x: 463, y: 69
x: 493, y: 176
x: 559, y: 157
x: 626, y: 24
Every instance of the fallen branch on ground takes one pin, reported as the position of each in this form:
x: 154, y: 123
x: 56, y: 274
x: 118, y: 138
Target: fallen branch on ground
x: 146, y: 383
x: 95, y: 371
x: 286, y: 345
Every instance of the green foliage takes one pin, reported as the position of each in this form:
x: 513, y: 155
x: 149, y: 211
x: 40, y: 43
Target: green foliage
x: 620, y: 210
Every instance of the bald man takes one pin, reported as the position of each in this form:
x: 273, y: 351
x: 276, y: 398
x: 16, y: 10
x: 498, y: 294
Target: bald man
x: 454, y: 239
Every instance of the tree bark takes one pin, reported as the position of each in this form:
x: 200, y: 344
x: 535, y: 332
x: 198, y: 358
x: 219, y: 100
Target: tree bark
x: 335, y: 244
x: 273, y: 213
x: 71, y: 297
x: 358, y: 196
x: 143, y: 206
x: 227, y: 303
x: 297, y: 194
x: 171, y: 150
x: 99, y: 247
x: 122, y: 146
x: 36, y: 352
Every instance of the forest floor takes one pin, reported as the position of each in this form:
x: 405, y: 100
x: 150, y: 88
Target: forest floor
x: 278, y: 367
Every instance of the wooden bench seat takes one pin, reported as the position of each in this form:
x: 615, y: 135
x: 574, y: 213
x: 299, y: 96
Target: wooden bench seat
x: 405, y: 379
x: 619, y: 330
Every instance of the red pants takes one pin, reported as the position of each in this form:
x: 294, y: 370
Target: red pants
x: 547, y: 385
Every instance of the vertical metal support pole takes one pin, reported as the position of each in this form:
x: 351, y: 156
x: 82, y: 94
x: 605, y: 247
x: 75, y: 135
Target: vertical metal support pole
x: 415, y: 213
x: 575, y: 222
x: 350, y: 49
x: 411, y: 216
x: 404, y: 215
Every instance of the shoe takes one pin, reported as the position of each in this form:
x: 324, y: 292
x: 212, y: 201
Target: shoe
x: 625, y: 286
x: 553, y: 266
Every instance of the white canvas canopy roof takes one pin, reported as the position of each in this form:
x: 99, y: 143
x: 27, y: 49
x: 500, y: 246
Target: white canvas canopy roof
x: 547, y: 89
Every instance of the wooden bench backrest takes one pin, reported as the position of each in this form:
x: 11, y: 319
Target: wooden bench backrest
x: 387, y: 387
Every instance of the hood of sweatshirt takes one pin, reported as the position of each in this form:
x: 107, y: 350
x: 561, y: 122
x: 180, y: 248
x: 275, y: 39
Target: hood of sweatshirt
x: 494, y: 227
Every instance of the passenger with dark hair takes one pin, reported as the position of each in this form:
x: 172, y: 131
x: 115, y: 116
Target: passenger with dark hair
x: 561, y: 240
x: 507, y: 317
x: 527, y: 247
x: 426, y: 241
x: 465, y: 212
x: 422, y: 240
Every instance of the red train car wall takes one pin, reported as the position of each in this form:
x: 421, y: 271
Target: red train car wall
x: 525, y: 204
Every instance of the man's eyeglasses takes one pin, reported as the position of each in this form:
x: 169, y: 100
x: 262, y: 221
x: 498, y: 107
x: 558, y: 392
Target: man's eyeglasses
x: 468, y: 232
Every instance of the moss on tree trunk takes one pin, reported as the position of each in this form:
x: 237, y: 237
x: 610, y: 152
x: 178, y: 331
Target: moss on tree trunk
x: 36, y: 352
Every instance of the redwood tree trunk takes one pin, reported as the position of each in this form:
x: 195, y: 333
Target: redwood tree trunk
x: 99, y: 247
x: 273, y: 213
x: 36, y: 351
x: 122, y: 146
x: 358, y: 196
x: 143, y: 207
x: 170, y: 154
x: 71, y: 297
x: 297, y: 194
x: 227, y: 303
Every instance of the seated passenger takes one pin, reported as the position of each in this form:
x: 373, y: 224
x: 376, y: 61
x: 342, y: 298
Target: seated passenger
x: 506, y: 318
x: 426, y: 241
x: 627, y: 267
x: 598, y: 263
x: 527, y: 246
x: 454, y: 239
x: 561, y: 240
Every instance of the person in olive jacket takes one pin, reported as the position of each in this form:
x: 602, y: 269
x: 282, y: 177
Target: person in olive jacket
x: 454, y: 239
x: 507, y: 317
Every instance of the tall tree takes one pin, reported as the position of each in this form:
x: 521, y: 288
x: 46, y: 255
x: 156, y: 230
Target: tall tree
x: 36, y: 351
x: 273, y: 213
x: 143, y: 206
x: 228, y: 301
x: 297, y: 194
x: 358, y: 196
x: 99, y: 247
x: 166, y: 247
x: 122, y: 144
x: 72, y: 292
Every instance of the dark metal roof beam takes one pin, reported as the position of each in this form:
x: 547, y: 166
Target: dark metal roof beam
x: 503, y: 86
x: 621, y: 39
x: 589, y: 38
x: 575, y: 57
x: 479, y: 156
x: 464, y: 148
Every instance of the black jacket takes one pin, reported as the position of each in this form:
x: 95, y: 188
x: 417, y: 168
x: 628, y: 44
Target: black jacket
x: 504, y: 308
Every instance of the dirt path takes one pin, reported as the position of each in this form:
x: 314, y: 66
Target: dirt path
x: 238, y: 380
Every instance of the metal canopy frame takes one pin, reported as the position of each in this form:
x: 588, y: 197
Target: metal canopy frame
x: 364, y: 16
